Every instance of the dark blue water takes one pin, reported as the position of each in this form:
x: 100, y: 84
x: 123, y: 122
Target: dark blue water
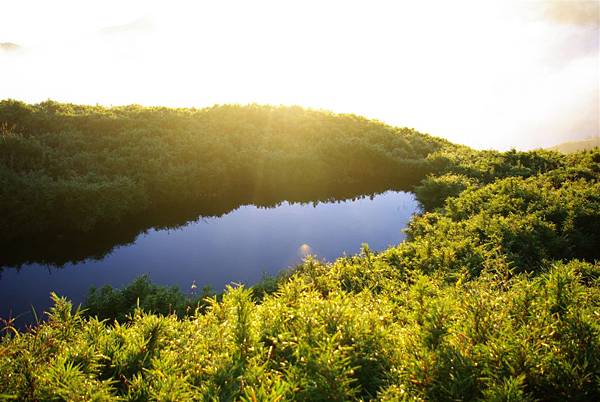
x: 238, y: 247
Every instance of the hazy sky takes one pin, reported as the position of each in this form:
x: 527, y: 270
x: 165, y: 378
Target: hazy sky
x: 487, y: 74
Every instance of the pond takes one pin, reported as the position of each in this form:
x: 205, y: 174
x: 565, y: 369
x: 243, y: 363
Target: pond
x: 238, y: 247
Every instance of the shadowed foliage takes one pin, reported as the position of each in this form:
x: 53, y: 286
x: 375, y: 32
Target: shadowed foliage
x: 70, y: 169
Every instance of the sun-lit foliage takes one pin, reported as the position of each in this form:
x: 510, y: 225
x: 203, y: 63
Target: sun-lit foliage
x: 495, y: 295
x: 329, y: 334
x: 57, y: 158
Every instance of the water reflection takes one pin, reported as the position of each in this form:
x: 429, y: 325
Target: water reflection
x: 59, y: 249
x: 239, y: 246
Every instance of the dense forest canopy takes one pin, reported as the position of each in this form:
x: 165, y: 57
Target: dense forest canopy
x: 68, y: 168
x: 495, y: 295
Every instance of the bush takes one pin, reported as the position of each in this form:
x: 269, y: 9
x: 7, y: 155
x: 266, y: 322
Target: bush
x: 494, y: 295
x: 434, y: 190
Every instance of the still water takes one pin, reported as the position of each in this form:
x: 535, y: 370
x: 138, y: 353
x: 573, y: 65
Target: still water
x: 239, y: 247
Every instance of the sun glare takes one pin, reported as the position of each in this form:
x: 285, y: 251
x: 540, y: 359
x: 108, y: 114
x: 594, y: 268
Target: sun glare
x: 488, y: 74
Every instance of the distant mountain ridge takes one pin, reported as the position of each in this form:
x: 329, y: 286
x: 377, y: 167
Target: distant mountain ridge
x: 575, y: 146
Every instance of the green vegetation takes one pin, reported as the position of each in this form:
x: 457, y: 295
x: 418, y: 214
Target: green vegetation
x: 576, y: 146
x: 117, y: 304
x: 105, y: 166
x: 495, y: 295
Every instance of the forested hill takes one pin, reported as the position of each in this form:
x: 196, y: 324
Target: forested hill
x: 68, y: 168
x: 494, y: 295
x: 575, y: 146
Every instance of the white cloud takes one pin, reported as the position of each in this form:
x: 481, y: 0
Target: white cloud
x: 9, y: 47
x: 574, y: 12
x: 138, y: 25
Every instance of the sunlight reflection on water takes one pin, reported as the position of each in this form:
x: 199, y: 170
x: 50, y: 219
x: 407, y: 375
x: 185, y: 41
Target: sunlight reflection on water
x: 239, y: 247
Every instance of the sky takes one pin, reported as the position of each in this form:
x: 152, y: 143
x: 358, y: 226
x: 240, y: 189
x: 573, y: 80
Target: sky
x: 488, y: 74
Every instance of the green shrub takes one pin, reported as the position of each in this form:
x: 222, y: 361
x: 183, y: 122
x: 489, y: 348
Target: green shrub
x: 494, y: 296
x: 434, y: 190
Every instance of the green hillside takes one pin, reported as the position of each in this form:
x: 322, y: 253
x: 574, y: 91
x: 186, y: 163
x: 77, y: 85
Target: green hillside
x: 495, y: 294
x: 72, y: 169
x: 576, y: 146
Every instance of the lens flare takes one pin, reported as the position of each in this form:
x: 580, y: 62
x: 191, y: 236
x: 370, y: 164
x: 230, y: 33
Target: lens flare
x: 304, y: 250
